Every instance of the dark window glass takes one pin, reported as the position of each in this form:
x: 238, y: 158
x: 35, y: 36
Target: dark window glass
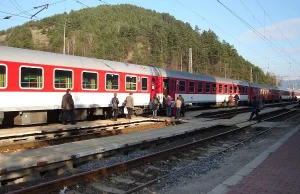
x: 207, y: 87
x: 63, y: 79
x: 2, y: 76
x: 220, y: 88
x: 200, y: 87
x: 130, y: 83
x: 144, y: 84
x: 226, y: 89
x: 181, y: 86
x: 31, y: 77
x: 112, y: 82
x: 89, y: 80
x: 191, y: 86
x: 214, y: 89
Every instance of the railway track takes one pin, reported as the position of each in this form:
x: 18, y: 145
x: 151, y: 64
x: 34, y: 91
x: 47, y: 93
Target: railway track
x: 133, y: 175
x: 60, y: 136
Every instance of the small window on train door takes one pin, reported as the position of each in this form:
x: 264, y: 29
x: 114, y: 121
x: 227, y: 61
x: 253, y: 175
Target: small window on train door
x: 31, y: 77
x: 112, y: 81
x: 181, y: 86
x: 144, y: 84
x: 207, y: 87
x: 240, y: 89
x: 3, y: 76
x: 89, y: 80
x: 192, y: 87
x: 220, y: 88
x: 200, y: 87
x: 173, y: 86
x: 214, y: 88
x: 226, y: 89
x: 131, y: 83
x: 63, y: 79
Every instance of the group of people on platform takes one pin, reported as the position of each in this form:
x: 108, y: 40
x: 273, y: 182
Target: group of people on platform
x: 179, y: 106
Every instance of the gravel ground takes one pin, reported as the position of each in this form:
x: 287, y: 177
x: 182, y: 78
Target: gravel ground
x: 203, y: 176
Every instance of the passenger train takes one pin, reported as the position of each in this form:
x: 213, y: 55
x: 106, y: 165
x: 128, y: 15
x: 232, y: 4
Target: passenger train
x: 32, y: 84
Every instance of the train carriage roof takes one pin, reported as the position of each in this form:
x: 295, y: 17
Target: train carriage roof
x: 263, y: 86
x: 200, y: 77
x: 47, y: 58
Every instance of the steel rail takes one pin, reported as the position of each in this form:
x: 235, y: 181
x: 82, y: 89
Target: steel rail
x: 56, y: 185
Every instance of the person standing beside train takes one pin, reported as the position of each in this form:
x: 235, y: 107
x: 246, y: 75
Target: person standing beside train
x: 67, y: 106
x: 115, y: 108
x: 155, y: 106
x: 178, y: 105
x: 236, y: 100
x: 129, y: 105
x: 182, y: 109
x: 230, y: 101
x: 168, y: 103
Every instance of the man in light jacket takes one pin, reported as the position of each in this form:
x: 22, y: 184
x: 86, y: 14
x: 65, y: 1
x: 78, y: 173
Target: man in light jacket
x: 129, y: 105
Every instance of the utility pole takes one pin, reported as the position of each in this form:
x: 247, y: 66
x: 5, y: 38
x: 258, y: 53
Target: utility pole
x: 190, y: 60
x: 64, y: 51
x: 181, y: 62
x: 225, y: 70
x: 251, y: 75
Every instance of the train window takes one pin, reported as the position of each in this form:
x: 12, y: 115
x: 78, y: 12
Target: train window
x: 31, y: 77
x: 226, y: 89
x: 214, y: 89
x: 235, y: 89
x: 181, y: 86
x: 207, y: 87
x: 240, y: 89
x: 3, y: 76
x: 231, y: 90
x: 89, y: 80
x: 191, y: 86
x: 220, y: 88
x: 200, y: 87
x: 173, y: 85
x: 144, y: 84
x: 131, y: 82
x: 112, y: 81
x: 63, y: 78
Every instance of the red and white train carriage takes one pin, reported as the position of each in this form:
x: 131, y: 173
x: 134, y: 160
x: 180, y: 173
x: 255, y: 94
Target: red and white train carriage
x: 199, y: 89
x: 32, y: 84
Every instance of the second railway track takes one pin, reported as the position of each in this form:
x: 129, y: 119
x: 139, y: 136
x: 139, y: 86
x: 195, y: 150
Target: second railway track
x: 161, y: 168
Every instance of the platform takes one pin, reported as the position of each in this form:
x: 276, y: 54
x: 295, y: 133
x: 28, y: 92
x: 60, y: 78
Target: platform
x: 52, y: 154
x: 275, y: 171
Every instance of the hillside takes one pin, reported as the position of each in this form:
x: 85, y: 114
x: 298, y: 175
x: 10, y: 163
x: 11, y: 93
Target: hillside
x: 132, y: 34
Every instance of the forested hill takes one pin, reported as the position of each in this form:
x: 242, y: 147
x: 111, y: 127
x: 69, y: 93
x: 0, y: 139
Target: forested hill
x: 132, y: 34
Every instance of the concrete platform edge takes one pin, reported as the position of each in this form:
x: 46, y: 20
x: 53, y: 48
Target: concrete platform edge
x: 247, y: 169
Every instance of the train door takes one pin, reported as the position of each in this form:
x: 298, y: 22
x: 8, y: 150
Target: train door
x: 166, y: 90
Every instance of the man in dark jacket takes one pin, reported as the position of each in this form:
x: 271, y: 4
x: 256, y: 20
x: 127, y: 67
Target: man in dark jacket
x: 67, y: 106
x: 255, y: 108
x: 236, y: 100
x: 182, y: 109
x: 114, y: 104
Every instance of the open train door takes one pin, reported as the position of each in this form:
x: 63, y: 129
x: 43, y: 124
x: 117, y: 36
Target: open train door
x: 156, y: 84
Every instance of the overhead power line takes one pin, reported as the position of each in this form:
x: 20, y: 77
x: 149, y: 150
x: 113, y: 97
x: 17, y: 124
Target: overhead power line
x: 272, y: 45
x: 204, y: 19
x: 277, y: 27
